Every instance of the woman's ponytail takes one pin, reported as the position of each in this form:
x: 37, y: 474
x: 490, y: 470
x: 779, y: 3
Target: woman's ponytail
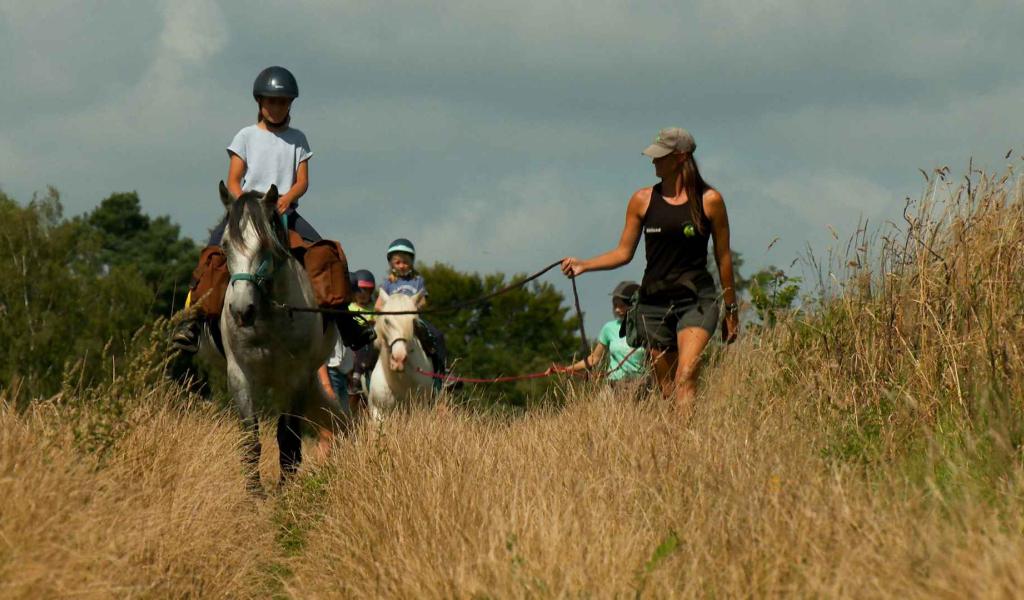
x: 695, y: 186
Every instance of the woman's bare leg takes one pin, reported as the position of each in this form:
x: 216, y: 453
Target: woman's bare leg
x: 691, y: 341
x: 664, y: 364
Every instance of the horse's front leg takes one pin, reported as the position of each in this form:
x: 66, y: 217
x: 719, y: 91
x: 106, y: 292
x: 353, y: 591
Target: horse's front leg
x: 289, y: 443
x: 242, y: 390
x: 381, y: 398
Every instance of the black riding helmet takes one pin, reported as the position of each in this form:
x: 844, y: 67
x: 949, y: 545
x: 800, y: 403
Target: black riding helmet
x: 275, y: 82
x: 364, y: 279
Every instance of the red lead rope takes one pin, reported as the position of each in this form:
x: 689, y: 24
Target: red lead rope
x: 506, y: 379
x: 510, y: 378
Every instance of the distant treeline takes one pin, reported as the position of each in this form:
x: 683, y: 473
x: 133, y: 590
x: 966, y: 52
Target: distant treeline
x: 74, y: 291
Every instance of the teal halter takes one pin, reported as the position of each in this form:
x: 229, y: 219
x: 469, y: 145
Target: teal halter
x: 263, y: 274
x: 265, y: 270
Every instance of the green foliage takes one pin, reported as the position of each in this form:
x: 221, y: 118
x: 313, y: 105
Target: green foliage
x: 740, y: 283
x: 70, y: 290
x: 153, y: 246
x: 522, y: 331
x: 772, y: 293
x: 662, y: 552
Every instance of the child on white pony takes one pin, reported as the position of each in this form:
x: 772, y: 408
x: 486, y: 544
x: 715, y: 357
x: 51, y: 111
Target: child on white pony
x: 399, y: 373
x: 404, y: 279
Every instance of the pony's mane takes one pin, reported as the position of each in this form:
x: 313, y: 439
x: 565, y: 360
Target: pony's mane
x: 267, y: 231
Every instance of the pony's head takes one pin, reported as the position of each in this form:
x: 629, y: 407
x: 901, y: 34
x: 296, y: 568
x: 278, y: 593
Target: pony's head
x: 396, y: 333
x: 255, y: 245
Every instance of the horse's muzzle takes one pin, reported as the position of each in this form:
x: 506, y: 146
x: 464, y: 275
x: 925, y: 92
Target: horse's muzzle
x: 246, y: 317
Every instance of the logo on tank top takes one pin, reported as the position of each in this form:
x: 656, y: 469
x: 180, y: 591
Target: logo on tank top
x: 689, y: 230
x: 652, y: 230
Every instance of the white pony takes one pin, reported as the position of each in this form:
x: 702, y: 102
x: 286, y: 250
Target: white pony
x: 272, y: 355
x: 397, y: 377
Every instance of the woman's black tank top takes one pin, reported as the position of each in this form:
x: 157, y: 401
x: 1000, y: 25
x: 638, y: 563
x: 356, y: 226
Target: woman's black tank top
x: 677, y: 252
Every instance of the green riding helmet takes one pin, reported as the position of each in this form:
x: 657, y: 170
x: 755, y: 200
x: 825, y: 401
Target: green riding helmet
x: 401, y: 245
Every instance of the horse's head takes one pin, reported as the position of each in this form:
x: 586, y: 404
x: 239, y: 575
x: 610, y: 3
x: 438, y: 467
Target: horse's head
x: 396, y: 333
x: 254, y: 243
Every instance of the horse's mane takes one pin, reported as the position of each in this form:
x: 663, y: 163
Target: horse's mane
x: 268, y: 231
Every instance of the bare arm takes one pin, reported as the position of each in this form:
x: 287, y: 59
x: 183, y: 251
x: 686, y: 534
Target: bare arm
x: 298, y: 188
x: 624, y: 251
x: 714, y: 208
x: 596, y: 355
x: 236, y: 170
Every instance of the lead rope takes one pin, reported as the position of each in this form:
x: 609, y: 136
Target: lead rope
x: 430, y: 311
x: 584, y: 345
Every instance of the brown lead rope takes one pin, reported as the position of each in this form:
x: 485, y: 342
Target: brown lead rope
x: 584, y: 345
x: 440, y: 310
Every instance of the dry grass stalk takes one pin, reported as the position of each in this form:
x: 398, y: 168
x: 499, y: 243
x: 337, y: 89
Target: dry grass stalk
x: 868, y: 446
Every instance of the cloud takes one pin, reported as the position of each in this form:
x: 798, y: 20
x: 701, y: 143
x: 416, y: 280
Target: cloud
x: 499, y: 135
x: 831, y: 198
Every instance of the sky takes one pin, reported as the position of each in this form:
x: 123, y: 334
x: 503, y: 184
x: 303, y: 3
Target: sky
x: 503, y: 136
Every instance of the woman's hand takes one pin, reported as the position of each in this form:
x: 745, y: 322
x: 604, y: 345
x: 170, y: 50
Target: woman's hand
x: 573, y: 266
x: 555, y: 368
x: 730, y: 327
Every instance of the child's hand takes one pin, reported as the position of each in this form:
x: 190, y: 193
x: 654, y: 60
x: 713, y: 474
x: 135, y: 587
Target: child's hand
x: 283, y: 204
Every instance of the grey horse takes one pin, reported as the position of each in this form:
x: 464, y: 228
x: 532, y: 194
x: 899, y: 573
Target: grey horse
x: 272, y: 355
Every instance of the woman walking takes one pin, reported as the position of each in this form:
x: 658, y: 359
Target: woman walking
x: 678, y: 304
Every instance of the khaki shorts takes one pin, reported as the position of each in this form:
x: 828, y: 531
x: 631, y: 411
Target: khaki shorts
x: 659, y: 324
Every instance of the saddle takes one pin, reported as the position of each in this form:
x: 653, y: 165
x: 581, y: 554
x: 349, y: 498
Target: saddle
x: 324, y: 261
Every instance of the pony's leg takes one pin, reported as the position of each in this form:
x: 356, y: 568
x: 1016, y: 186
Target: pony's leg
x: 242, y: 391
x: 380, y: 399
x: 289, y: 443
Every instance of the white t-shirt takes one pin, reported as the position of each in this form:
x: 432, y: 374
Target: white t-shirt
x: 271, y: 157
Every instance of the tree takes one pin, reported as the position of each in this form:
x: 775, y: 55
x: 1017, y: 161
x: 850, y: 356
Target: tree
x: 153, y: 246
x: 740, y: 283
x: 524, y: 330
x: 58, y: 304
x: 772, y: 292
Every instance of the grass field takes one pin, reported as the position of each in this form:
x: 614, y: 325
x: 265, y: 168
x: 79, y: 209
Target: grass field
x: 870, y: 445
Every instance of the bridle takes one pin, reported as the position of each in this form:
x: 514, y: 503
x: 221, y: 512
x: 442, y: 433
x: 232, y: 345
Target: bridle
x: 263, y: 275
x: 408, y: 347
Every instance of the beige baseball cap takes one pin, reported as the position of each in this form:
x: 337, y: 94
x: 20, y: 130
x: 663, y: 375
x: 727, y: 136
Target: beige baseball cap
x: 669, y: 140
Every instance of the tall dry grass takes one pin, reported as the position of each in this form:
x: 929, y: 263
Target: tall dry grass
x: 127, y: 490
x: 870, y: 445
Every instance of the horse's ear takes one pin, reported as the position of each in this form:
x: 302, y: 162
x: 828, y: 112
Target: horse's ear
x: 417, y: 296
x: 382, y: 295
x: 225, y: 195
x: 270, y: 198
